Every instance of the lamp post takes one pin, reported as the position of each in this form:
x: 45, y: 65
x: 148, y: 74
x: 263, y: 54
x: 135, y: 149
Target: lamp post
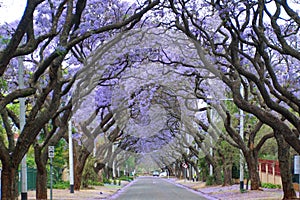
x: 113, y: 163
x: 71, y: 164
x: 211, y: 149
x: 22, y: 124
x: 241, y: 152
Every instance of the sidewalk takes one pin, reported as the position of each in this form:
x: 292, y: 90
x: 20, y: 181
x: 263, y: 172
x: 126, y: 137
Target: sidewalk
x: 231, y: 192
x: 97, y: 192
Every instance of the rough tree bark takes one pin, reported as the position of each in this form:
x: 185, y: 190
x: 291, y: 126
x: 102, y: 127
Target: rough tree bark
x: 41, y: 177
x: 8, y: 182
x: 80, y: 156
x: 41, y: 151
x: 285, y: 166
x: 226, y: 167
x: 252, y: 163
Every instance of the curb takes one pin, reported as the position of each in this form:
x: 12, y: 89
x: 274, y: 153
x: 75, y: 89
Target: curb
x: 118, y: 192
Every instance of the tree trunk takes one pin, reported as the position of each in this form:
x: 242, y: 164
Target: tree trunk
x: 77, y: 180
x: 217, y: 174
x: 254, y: 176
x: 100, y: 175
x: 41, y: 183
x: 285, y: 166
x: 252, y: 163
x: 227, y: 169
x: 227, y: 174
x: 170, y: 170
x: 41, y: 176
x: 216, y: 169
x: 80, y: 157
x: 178, y: 170
x: 225, y: 157
x: 9, y: 190
x: 78, y: 170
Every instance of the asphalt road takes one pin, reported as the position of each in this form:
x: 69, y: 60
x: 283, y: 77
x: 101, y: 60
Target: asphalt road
x: 154, y: 188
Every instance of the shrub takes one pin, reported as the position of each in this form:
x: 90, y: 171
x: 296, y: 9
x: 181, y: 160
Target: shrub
x: 61, y: 185
x: 96, y: 183
x: 210, y: 180
x: 107, y: 181
x: 126, y: 178
x: 243, y: 191
x: 270, y: 186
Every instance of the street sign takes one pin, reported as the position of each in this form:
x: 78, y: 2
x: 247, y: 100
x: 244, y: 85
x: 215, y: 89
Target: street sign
x: 297, y: 165
x: 51, y: 151
x: 184, y: 165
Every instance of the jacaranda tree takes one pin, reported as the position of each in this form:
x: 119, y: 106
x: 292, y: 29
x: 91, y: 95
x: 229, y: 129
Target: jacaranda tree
x: 45, y: 36
x: 253, y: 47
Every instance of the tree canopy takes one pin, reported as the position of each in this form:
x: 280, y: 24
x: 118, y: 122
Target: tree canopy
x: 166, y: 79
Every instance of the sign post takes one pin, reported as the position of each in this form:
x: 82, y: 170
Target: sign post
x: 51, y: 156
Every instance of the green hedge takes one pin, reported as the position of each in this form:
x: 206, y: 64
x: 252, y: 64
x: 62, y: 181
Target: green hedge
x: 270, y: 186
x: 61, y: 185
x: 210, y: 180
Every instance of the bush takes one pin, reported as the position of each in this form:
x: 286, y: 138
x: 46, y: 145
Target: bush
x: 61, y: 185
x: 210, y: 180
x: 243, y: 191
x: 271, y: 186
x: 126, y: 178
x: 96, y: 183
x: 107, y: 181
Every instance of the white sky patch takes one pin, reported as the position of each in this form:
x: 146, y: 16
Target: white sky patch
x: 11, y: 10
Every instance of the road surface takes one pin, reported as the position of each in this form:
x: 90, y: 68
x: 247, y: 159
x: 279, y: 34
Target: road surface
x: 154, y: 188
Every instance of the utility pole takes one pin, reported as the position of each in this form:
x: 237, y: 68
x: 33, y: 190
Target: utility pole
x: 241, y: 152
x: 71, y: 163
x: 22, y: 124
x: 211, y: 169
x: 113, y: 162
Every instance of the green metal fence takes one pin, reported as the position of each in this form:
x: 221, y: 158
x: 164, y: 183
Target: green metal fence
x: 31, y: 179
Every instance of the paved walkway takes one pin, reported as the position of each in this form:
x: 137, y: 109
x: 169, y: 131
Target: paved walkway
x: 97, y: 192
x: 231, y: 192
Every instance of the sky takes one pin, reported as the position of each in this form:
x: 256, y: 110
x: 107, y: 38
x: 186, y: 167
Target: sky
x: 11, y: 10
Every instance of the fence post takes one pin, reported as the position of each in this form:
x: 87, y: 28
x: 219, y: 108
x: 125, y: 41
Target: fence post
x: 259, y: 170
x: 267, y: 172
x: 273, y: 170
